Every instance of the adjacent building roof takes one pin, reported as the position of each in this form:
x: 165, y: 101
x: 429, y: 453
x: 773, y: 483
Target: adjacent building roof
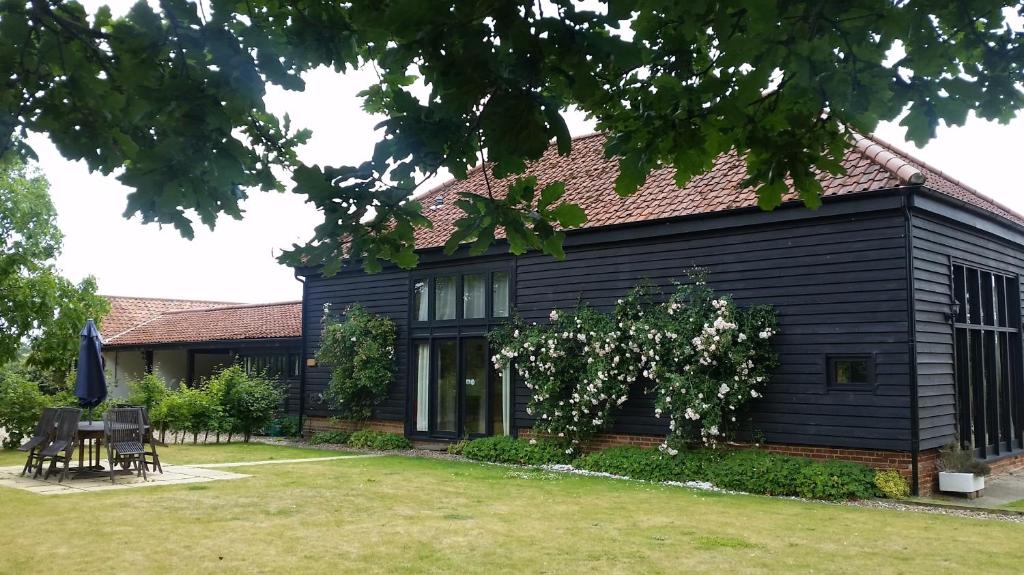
x: 128, y: 312
x: 589, y: 178
x: 210, y: 323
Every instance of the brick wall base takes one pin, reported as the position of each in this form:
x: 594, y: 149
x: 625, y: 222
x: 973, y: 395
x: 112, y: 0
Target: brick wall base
x: 312, y: 425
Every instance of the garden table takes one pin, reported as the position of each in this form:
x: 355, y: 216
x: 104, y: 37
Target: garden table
x: 89, y: 433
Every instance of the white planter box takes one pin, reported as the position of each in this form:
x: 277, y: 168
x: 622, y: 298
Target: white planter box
x: 960, y: 482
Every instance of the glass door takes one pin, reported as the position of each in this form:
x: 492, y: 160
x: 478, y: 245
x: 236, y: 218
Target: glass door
x: 446, y: 387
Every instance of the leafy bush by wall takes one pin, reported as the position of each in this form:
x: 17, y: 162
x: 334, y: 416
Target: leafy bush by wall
x: 361, y: 353
x: 380, y: 440
x: 329, y: 437
x: 749, y: 471
x: 892, y: 484
x: 515, y: 451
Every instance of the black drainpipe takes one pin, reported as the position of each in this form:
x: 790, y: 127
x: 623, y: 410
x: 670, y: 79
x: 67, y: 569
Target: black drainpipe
x: 302, y: 355
x: 915, y: 421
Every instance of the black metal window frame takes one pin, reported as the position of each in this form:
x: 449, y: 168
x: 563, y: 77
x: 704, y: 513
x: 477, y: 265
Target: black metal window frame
x: 431, y: 331
x: 869, y: 385
x: 986, y: 326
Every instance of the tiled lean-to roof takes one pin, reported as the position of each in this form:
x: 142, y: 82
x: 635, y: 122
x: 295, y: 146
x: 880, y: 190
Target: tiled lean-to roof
x: 589, y: 179
x: 128, y: 312
x: 214, y: 322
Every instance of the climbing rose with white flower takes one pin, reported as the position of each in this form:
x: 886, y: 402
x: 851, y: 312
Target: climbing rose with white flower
x: 692, y: 349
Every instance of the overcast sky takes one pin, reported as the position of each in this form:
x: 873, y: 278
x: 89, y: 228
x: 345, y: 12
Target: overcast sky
x: 236, y: 261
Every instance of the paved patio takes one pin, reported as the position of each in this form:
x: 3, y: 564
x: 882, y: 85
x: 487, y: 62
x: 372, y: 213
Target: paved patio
x: 998, y: 492
x: 172, y: 475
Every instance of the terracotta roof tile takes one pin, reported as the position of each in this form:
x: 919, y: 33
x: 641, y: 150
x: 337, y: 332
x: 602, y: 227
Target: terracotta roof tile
x: 128, y: 312
x: 225, y: 323
x: 590, y: 178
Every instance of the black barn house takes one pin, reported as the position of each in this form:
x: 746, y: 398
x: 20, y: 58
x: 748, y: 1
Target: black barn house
x: 898, y: 301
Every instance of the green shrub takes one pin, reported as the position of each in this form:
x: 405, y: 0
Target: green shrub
x: 332, y: 437
x: 147, y: 392
x: 289, y: 426
x: 248, y: 402
x: 749, y: 471
x: 458, y: 447
x: 651, y: 464
x: 380, y: 440
x: 21, y: 405
x: 892, y: 484
x: 361, y: 354
x: 516, y: 451
x: 836, y: 480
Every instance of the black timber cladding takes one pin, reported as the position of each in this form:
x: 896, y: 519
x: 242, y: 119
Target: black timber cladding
x: 838, y: 285
x: 945, y: 234
x: 837, y: 278
x: 384, y: 293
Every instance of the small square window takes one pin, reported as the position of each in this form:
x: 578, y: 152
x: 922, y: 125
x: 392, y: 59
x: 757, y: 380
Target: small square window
x: 851, y: 372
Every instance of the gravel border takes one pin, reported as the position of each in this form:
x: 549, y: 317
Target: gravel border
x: 951, y: 510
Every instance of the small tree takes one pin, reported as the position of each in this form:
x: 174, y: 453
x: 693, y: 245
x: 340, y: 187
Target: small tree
x: 249, y: 402
x: 21, y: 405
x: 361, y: 352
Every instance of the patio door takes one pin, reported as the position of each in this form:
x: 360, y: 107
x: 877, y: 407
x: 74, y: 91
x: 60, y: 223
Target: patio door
x: 987, y: 366
x: 458, y: 394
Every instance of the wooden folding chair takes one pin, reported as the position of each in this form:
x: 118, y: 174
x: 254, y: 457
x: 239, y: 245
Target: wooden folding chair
x: 125, y: 438
x: 62, y: 448
x: 42, y: 437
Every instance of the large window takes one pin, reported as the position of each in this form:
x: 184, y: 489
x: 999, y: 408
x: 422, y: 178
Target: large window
x: 985, y: 313
x: 275, y: 365
x: 454, y: 391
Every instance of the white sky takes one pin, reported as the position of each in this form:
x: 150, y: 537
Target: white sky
x: 236, y: 261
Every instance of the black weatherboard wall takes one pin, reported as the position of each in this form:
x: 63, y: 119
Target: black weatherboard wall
x: 384, y: 293
x: 837, y: 279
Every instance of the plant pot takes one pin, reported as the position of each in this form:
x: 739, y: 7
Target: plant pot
x: 967, y: 483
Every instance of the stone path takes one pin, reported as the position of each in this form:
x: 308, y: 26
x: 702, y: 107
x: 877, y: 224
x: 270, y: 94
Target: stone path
x: 172, y: 475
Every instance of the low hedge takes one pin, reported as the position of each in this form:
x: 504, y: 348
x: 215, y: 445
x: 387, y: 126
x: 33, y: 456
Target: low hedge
x: 749, y: 470
x: 515, y: 451
x: 332, y: 437
x: 379, y: 440
x: 651, y: 464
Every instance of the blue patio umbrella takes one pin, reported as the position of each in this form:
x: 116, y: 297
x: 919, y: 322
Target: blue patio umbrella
x: 90, y: 382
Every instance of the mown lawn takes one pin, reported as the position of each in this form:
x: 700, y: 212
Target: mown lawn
x: 397, y: 514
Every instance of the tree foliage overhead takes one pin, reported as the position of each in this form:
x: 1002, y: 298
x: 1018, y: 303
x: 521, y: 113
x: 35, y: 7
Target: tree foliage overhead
x: 173, y: 97
x: 38, y: 306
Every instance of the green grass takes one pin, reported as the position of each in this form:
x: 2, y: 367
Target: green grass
x: 397, y: 514
x: 1015, y: 505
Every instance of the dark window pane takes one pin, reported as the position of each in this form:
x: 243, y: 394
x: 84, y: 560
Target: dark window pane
x: 444, y: 306
x: 474, y: 369
x: 500, y: 291
x: 851, y: 371
x: 421, y: 300
x: 474, y: 296
x: 447, y: 386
